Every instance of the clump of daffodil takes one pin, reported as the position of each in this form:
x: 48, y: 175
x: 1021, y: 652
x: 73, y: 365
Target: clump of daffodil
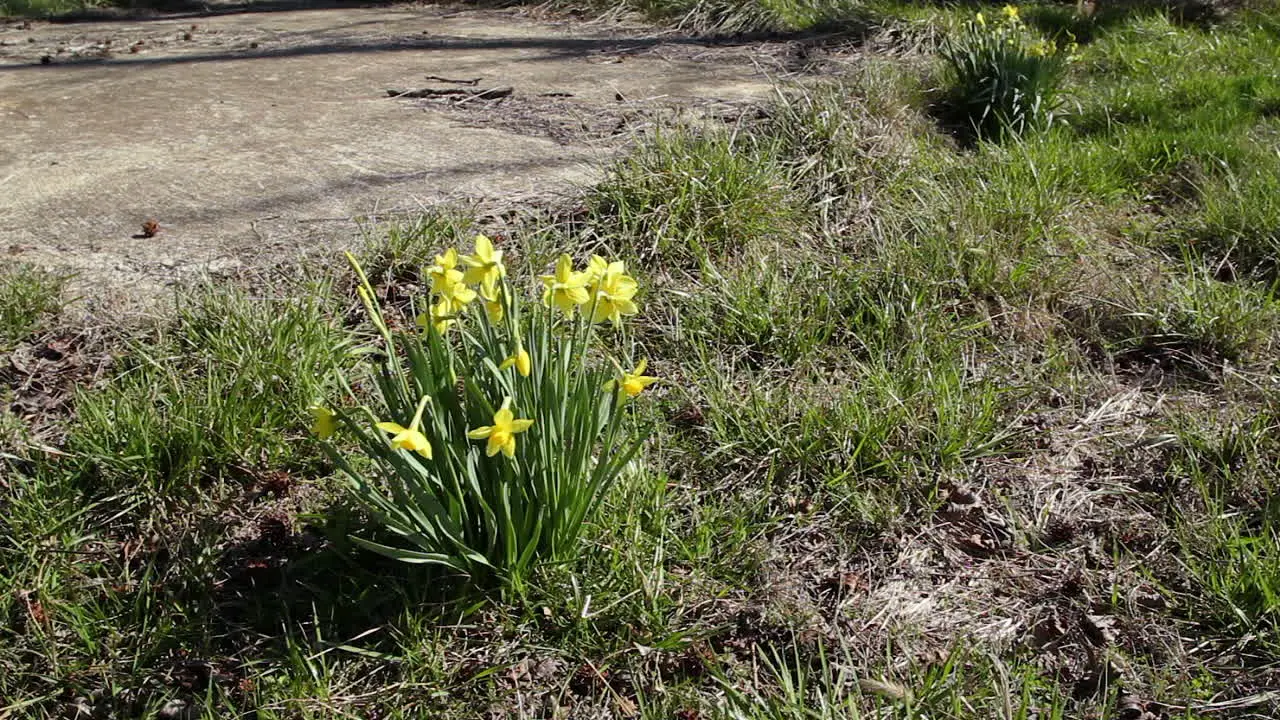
x: 501, y: 435
x: 495, y: 510
x: 1003, y: 78
x: 409, y: 438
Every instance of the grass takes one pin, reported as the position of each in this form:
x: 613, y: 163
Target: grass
x: 29, y: 297
x: 45, y: 8
x: 695, y: 194
x: 943, y: 431
x: 220, y: 393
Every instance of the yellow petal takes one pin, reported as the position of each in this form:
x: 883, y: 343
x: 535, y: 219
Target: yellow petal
x: 640, y: 366
x: 524, y: 365
x: 323, y: 425
x: 391, y: 427
x: 503, y: 417
x: 480, y: 433
x: 496, y: 442
x: 520, y: 425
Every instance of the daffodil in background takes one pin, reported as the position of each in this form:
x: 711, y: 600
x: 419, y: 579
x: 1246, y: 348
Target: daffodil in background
x: 501, y: 435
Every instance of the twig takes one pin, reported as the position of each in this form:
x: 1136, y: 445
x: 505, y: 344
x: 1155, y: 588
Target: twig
x: 489, y: 94
x: 476, y: 81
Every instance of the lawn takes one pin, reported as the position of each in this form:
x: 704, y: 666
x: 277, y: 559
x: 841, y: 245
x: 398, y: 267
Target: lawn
x: 948, y: 423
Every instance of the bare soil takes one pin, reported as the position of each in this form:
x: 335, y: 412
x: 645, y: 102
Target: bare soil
x: 257, y: 137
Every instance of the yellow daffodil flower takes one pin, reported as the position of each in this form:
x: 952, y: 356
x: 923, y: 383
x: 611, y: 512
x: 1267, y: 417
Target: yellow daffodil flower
x: 409, y: 438
x: 633, y: 383
x: 596, y: 268
x: 454, y: 293
x: 981, y: 20
x: 613, y: 295
x: 442, y: 273
x: 448, y: 283
x: 1010, y: 13
x: 493, y: 306
x: 565, y: 289
x: 521, y: 362
x: 323, y: 424
x: 484, y: 266
x: 442, y: 315
x: 502, y: 433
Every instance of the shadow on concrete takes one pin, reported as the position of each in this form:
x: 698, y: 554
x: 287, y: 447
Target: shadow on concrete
x: 142, y: 10
x: 555, y: 47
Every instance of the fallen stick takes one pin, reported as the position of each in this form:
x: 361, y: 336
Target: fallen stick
x: 437, y: 78
x: 490, y: 94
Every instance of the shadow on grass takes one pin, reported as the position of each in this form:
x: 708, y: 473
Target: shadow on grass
x: 275, y: 599
x: 1084, y: 23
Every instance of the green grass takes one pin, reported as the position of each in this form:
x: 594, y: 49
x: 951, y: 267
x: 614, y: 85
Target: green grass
x: 222, y: 392
x: 860, y: 326
x: 45, y: 8
x: 29, y: 297
x: 690, y: 194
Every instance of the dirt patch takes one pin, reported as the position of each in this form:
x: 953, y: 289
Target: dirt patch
x: 254, y: 138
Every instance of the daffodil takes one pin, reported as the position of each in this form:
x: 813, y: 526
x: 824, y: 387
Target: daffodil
x: 455, y: 294
x: 322, y: 424
x: 409, y: 438
x: 1010, y: 13
x: 614, y: 293
x: 633, y: 383
x: 520, y: 360
x: 493, y: 307
x: 565, y: 289
x: 502, y: 433
x: 596, y: 268
x: 443, y: 315
x: 448, y: 283
x: 981, y: 19
x: 484, y: 266
x: 440, y: 271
